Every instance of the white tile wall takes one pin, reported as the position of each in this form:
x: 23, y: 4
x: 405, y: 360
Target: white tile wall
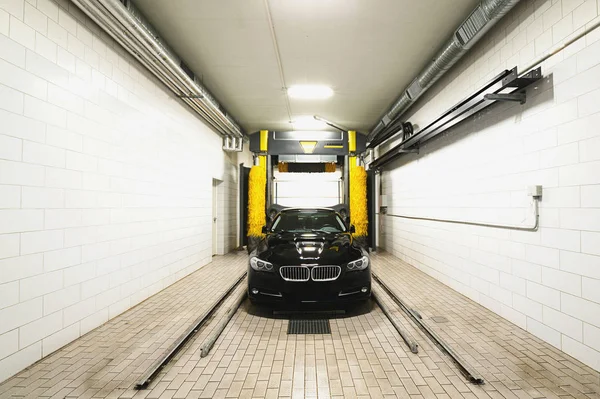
x: 546, y: 281
x: 104, y: 178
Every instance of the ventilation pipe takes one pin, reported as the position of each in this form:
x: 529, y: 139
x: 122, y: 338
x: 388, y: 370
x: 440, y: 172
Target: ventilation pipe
x: 481, y: 19
x: 130, y: 29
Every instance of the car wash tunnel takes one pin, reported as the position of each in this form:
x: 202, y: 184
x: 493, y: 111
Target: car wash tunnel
x: 300, y: 199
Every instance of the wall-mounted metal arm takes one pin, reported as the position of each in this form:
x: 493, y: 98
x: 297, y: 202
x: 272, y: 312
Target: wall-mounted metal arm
x: 507, y: 82
x: 516, y: 97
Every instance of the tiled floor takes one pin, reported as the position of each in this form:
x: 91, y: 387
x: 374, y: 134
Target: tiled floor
x: 107, y: 361
x: 513, y: 362
x: 362, y: 357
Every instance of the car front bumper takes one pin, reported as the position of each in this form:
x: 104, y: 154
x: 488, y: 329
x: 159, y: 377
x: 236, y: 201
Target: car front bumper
x: 271, y: 287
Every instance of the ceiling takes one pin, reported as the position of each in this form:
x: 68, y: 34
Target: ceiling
x: 367, y: 51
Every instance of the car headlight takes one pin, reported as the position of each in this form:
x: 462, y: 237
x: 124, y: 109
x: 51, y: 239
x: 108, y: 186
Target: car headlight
x: 359, y: 264
x: 260, y: 265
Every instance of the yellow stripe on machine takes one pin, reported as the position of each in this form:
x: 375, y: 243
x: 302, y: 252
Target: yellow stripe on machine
x: 264, y: 140
x: 352, y: 140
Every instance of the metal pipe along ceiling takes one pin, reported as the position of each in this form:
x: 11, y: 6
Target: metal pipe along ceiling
x: 141, y: 33
x: 481, y: 19
x: 138, y: 39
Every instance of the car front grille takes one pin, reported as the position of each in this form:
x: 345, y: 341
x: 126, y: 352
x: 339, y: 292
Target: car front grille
x: 304, y: 273
x: 294, y: 273
x: 325, y: 273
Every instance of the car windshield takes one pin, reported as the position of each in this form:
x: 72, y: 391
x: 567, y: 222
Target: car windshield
x: 308, y: 221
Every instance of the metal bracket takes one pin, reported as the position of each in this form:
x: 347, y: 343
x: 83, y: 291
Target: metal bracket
x: 233, y: 144
x: 514, y: 80
x: 520, y: 97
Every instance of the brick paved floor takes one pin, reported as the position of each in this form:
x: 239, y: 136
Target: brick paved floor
x: 362, y: 357
x: 107, y: 361
x: 513, y: 362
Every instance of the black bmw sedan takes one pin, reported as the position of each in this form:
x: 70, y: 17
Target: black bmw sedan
x: 308, y: 256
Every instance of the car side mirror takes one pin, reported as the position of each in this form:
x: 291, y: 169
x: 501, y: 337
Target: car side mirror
x: 265, y: 230
x: 352, y: 229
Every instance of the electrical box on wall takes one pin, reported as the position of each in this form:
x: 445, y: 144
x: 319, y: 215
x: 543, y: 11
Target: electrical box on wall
x: 383, y: 200
x: 383, y: 204
x: 534, y: 191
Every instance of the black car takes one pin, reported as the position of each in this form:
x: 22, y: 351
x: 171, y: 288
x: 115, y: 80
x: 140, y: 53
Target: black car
x: 308, y: 256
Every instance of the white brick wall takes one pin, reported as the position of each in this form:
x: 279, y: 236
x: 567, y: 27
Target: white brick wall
x: 105, y: 182
x: 545, y: 281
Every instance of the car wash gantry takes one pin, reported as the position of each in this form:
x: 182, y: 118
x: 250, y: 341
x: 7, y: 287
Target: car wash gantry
x: 281, y: 154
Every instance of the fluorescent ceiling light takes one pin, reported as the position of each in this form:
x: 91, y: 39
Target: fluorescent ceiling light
x: 310, y: 92
x: 308, y: 123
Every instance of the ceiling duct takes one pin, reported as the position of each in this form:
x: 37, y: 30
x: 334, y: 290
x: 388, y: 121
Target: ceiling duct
x: 481, y: 19
x: 122, y: 20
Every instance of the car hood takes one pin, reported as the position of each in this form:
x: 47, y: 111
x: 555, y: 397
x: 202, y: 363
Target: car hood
x: 295, y: 249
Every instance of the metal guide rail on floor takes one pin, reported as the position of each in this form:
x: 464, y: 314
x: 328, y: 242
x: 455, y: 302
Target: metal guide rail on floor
x: 176, y: 346
x: 216, y: 333
x: 470, y: 373
x: 408, y: 339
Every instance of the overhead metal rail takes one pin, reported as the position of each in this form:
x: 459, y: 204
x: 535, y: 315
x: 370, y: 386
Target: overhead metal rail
x: 506, y: 86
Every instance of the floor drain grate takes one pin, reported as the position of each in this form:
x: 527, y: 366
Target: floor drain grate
x: 317, y: 326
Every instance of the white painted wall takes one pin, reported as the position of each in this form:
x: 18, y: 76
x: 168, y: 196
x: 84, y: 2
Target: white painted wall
x: 548, y: 281
x: 105, y: 182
